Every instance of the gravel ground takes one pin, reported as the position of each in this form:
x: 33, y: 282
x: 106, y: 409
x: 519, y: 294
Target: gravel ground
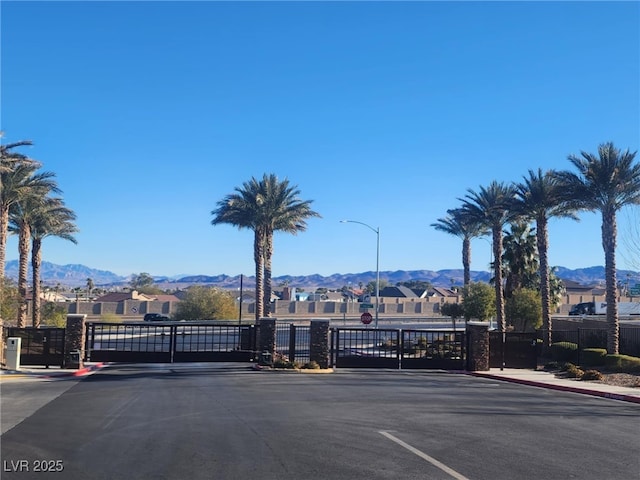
x: 621, y: 379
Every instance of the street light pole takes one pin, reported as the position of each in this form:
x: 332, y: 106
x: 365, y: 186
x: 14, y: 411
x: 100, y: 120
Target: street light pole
x: 377, y: 232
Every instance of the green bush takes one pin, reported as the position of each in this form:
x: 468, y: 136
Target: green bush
x: 622, y: 363
x: 593, y: 357
x: 591, y: 375
x: 564, y: 351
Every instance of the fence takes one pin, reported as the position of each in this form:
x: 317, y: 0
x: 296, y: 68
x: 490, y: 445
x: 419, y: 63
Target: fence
x: 597, y: 338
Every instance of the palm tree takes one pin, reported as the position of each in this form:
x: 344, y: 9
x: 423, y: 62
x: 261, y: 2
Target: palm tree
x: 22, y: 214
x: 13, y: 167
x: 52, y: 220
x: 459, y: 225
x: 490, y: 207
x: 285, y: 212
x: 263, y: 206
x: 242, y: 210
x: 90, y: 287
x: 519, y: 258
x: 605, y: 182
x: 540, y: 197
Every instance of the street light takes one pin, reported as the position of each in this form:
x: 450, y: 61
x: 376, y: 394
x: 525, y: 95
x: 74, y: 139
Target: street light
x: 377, y: 232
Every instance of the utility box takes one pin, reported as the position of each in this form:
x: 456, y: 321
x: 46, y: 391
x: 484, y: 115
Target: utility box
x: 12, y: 360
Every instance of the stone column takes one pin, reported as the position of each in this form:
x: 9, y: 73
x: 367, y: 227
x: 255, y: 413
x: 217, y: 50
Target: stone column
x: 319, y: 342
x: 74, y: 340
x: 478, y: 341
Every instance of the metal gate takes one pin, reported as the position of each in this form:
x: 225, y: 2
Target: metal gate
x: 366, y: 348
x: 515, y: 350
x: 433, y: 349
x: 40, y: 346
x: 168, y: 343
x: 394, y: 348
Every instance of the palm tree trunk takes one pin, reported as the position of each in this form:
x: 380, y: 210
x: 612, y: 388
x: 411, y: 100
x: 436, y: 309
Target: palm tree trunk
x: 36, y: 262
x: 542, y: 237
x: 268, y: 253
x: 496, y: 231
x: 258, y: 256
x: 466, y: 260
x: 23, y: 247
x: 4, y: 225
x: 609, y: 233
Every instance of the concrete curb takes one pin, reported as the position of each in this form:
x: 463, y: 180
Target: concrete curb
x: 562, y: 388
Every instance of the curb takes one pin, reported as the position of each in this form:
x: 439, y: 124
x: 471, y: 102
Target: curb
x: 78, y: 373
x: 562, y: 388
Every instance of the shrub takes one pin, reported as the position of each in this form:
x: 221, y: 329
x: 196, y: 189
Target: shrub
x: 564, y: 351
x: 591, y: 375
x: 574, y: 372
x: 622, y: 363
x: 551, y: 366
x: 313, y: 365
x: 593, y: 357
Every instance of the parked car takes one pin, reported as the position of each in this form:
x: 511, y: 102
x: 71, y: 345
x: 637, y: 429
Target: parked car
x: 155, y: 317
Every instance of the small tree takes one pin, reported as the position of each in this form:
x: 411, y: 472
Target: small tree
x: 10, y: 300
x: 204, y: 303
x: 524, y: 310
x: 54, y: 315
x: 140, y: 280
x: 453, y: 310
x: 479, y: 302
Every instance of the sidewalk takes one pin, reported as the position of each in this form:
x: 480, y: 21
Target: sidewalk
x: 538, y: 378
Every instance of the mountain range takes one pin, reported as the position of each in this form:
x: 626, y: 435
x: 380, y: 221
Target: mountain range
x: 76, y: 276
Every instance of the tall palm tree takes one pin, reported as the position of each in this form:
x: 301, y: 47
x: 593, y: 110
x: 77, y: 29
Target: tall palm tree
x: 14, y: 166
x: 52, y: 220
x: 242, y: 209
x: 605, y: 182
x: 285, y: 212
x: 490, y: 207
x: 459, y: 225
x: 541, y: 197
x: 22, y: 215
x: 264, y: 206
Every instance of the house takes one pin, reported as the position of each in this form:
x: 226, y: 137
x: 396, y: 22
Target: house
x: 398, y: 292
x: 122, y: 296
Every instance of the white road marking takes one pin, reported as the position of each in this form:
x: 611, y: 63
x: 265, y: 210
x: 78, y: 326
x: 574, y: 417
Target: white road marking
x: 424, y: 456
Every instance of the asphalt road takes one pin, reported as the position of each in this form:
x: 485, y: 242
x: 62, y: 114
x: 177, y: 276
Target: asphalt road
x: 224, y: 421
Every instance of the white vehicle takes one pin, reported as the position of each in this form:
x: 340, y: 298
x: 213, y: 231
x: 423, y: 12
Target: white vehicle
x: 624, y: 308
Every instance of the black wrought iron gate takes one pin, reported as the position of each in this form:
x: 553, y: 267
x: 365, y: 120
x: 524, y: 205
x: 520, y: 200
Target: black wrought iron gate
x: 394, y: 348
x: 168, y: 343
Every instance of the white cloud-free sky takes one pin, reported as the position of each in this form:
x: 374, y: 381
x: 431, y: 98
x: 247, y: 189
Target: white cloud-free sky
x: 381, y: 112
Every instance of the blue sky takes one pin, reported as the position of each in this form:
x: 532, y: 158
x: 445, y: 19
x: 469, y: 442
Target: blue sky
x: 384, y: 113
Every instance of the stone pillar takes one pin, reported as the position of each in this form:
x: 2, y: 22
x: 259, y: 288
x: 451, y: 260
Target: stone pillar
x: 267, y: 340
x: 74, y: 340
x: 478, y: 341
x: 319, y: 342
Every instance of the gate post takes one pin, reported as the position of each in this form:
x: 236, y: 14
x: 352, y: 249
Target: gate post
x: 74, y: 339
x: 319, y: 342
x: 478, y: 352
x: 267, y: 340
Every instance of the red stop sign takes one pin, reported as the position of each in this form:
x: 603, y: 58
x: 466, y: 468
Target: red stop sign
x: 366, y: 318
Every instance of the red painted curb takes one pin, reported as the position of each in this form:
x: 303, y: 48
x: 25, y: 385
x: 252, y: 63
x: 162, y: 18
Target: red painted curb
x: 562, y: 388
x: 78, y: 373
